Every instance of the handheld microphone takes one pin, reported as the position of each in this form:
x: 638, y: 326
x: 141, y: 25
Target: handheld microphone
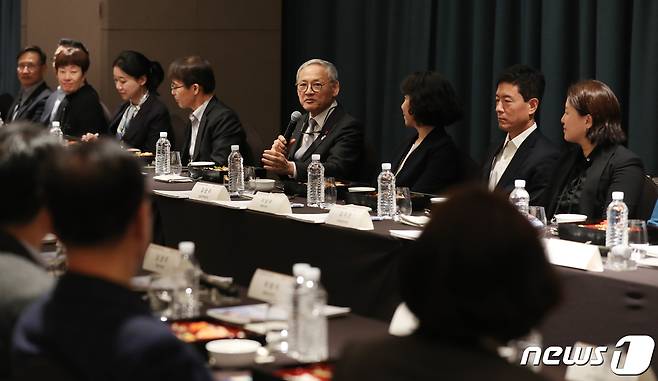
x: 294, y: 117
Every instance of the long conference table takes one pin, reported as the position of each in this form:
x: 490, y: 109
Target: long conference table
x: 359, y: 268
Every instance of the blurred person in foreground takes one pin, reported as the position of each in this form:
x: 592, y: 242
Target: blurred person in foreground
x: 93, y: 326
x: 24, y: 221
x: 465, y: 310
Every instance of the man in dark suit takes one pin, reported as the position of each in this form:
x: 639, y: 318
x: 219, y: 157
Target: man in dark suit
x: 213, y: 127
x: 325, y: 129
x: 24, y: 221
x: 93, y: 326
x: 525, y: 154
x: 31, y: 99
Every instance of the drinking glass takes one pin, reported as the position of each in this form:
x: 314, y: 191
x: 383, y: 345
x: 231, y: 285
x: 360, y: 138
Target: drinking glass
x: 537, y: 217
x: 403, y: 201
x: 175, y: 164
x: 276, y: 327
x: 330, y: 193
x: 620, y: 259
x: 249, y: 177
x: 161, y: 296
x: 638, y: 239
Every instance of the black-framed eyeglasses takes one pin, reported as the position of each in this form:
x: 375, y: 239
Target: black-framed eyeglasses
x: 174, y: 86
x: 315, y: 86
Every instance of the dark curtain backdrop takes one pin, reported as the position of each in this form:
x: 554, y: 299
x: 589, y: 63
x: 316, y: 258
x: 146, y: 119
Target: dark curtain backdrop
x: 10, y: 40
x: 376, y: 43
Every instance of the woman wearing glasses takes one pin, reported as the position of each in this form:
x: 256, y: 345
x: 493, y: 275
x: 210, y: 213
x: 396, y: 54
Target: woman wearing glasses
x: 429, y: 161
x: 80, y: 111
x: 142, y: 116
x: 597, y: 164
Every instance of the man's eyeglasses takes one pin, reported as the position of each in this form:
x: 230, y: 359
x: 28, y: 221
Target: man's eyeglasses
x: 26, y: 66
x: 315, y: 86
x: 174, y: 86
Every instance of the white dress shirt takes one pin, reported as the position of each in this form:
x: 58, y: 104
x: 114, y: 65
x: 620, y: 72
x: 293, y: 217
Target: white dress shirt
x: 506, y: 154
x: 195, y: 118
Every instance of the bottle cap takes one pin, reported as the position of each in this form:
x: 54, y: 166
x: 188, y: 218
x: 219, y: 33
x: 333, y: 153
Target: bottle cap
x: 386, y: 166
x: 312, y: 274
x: 519, y: 183
x: 617, y: 196
x: 163, y: 134
x: 235, y: 147
x: 315, y: 156
x: 298, y: 269
x: 186, y: 247
x: 55, y: 123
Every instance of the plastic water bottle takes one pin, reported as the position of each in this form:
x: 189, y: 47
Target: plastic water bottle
x: 617, y: 230
x: 235, y: 171
x: 56, y: 131
x: 520, y: 197
x: 315, y: 183
x: 311, y: 343
x: 162, y: 149
x: 386, y: 192
x: 187, y: 293
x: 298, y: 271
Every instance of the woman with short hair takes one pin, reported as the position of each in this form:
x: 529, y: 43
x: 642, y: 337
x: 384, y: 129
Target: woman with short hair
x: 598, y: 164
x: 81, y: 110
x: 429, y: 161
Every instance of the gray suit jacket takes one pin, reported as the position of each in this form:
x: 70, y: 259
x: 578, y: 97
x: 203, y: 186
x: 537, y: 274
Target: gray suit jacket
x: 32, y: 108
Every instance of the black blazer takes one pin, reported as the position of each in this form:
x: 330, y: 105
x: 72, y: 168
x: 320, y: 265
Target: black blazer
x: 613, y: 168
x: 414, y: 358
x: 219, y: 128
x: 340, y: 145
x: 144, y: 129
x: 533, y: 162
x: 82, y: 112
x: 432, y: 166
x: 32, y: 108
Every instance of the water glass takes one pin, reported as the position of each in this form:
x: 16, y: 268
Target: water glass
x: 175, y: 163
x: 620, y: 259
x: 537, y: 217
x: 249, y: 177
x: 638, y: 239
x: 276, y: 328
x: 330, y: 193
x: 161, y: 296
x: 403, y: 201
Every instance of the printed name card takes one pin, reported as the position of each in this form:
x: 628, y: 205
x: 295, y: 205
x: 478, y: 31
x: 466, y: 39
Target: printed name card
x: 573, y: 254
x: 273, y: 203
x: 160, y: 259
x: 209, y: 192
x: 350, y: 216
x: 270, y: 287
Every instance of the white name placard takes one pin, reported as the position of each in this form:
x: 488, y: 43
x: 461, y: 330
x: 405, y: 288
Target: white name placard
x: 573, y: 254
x: 209, y: 192
x: 270, y: 287
x: 160, y: 259
x: 350, y: 216
x: 273, y: 203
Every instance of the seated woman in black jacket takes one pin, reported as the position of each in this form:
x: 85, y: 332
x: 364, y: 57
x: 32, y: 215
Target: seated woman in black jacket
x: 429, y: 161
x: 142, y: 117
x: 598, y: 164
x: 473, y: 283
x: 81, y: 110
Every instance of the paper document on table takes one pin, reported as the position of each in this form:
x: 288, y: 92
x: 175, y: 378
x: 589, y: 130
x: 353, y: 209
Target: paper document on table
x: 241, y: 205
x: 173, y: 179
x: 573, y: 254
x: 651, y: 250
x: 173, y: 194
x: 318, y: 218
x: 253, y: 313
x: 406, y: 234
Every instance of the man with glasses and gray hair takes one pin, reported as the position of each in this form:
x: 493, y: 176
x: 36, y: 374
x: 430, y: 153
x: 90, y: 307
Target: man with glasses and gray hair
x: 325, y: 129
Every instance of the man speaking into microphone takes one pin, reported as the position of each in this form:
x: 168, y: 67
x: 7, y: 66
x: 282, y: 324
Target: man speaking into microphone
x: 324, y: 129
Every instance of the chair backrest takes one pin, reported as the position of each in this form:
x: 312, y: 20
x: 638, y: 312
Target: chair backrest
x: 648, y: 199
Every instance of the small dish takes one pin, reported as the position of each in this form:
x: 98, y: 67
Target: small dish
x: 567, y: 218
x: 232, y: 353
x: 264, y: 185
x: 437, y: 200
x: 360, y: 189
